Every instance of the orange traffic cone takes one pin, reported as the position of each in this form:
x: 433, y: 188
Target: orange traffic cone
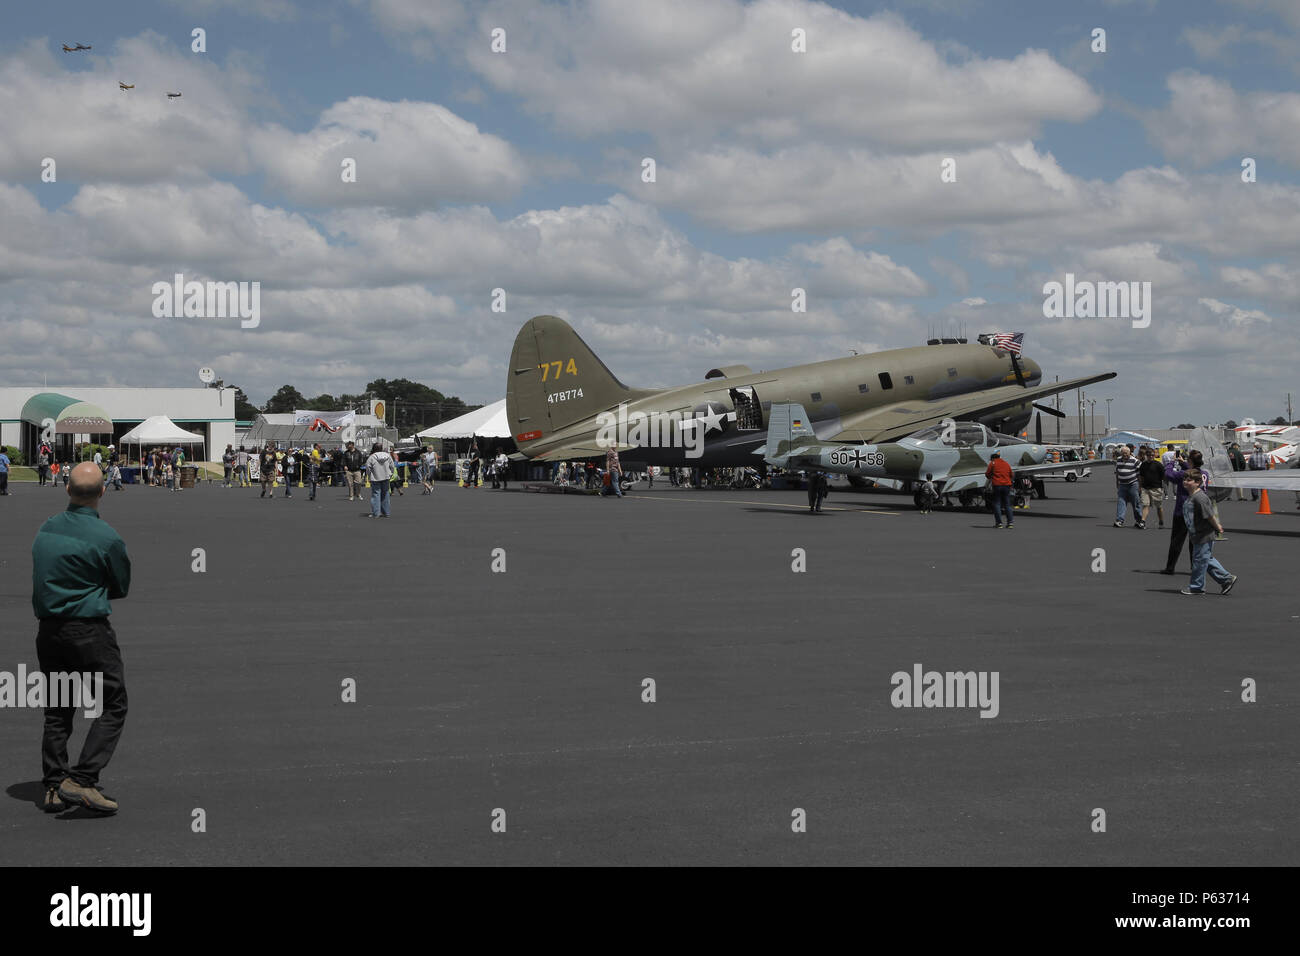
x: 1263, y: 502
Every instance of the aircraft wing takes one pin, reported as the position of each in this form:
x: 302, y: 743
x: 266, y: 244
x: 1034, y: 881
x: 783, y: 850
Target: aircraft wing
x: 579, y: 449
x: 976, y: 479
x: 891, y: 422
x: 1287, y: 479
x: 1048, y: 467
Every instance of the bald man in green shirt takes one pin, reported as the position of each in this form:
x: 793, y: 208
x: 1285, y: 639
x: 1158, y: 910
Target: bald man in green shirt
x: 79, y: 564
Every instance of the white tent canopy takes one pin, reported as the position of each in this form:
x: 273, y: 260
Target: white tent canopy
x: 159, y: 430
x: 486, y: 422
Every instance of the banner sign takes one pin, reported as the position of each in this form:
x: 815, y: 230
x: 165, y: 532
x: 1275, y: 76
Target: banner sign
x: 324, y: 421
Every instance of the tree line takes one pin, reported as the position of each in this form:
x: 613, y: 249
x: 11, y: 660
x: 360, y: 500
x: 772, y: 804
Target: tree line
x: 414, y: 404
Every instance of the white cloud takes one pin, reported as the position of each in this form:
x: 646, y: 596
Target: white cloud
x: 1207, y: 121
x: 407, y: 154
x: 682, y: 67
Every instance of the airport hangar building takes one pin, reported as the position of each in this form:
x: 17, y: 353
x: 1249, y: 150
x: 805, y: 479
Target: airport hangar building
x: 103, y: 415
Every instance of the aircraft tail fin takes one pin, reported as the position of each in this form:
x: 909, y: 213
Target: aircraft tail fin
x: 555, y: 380
x: 788, y: 429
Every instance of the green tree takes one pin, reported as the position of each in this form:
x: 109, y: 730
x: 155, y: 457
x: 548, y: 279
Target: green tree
x: 245, y: 411
x: 285, y: 400
x: 415, y: 405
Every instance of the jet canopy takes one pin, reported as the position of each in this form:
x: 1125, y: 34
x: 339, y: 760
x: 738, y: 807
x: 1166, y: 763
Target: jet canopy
x: 954, y: 435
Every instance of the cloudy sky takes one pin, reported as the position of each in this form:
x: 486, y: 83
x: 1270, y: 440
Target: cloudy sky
x: 523, y: 170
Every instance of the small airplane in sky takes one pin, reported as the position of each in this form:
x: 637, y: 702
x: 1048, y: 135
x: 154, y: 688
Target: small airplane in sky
x: 125, y: 86
x: 74, y: 49
x: 172, y: 96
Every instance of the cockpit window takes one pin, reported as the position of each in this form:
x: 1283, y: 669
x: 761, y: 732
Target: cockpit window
x: 959, y: 435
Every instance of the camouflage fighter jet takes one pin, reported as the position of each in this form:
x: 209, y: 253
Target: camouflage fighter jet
x: 955, y: 453
x: 562, y: 402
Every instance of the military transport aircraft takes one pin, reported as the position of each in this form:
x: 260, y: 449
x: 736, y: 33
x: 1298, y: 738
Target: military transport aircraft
x: 562, y: 402
x: 956, y: 454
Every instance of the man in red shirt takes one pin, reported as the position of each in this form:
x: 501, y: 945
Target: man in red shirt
x: 999, y: 474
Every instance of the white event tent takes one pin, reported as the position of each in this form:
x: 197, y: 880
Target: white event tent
x: 486, y: 422
x: 160, y: 430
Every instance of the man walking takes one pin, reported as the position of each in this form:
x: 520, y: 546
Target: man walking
x: 1238, y: 461
x: 1174, y: 471
x: 266, y: 471
x: 352, y: 463
x: 4, y: 472
x: 1203, y: 523
x: 430, y: 469
x: 79, y: 565
x: 817, y: 490
x: 228, y: 465
x: 614, y: 468
x: 380, y: 468
x: 999, y: 475
x: 1126, y: 489
x: 1258, y: 462
x: 1151, y: 477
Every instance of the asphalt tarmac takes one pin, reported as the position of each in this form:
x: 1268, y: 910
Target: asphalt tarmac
x: 522, y: 691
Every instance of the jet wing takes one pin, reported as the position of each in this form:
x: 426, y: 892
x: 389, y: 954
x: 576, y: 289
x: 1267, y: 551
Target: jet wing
x: 977, y: 479
x: 1285, y: 480
x: 891, y: 422
x: 1047, y: 467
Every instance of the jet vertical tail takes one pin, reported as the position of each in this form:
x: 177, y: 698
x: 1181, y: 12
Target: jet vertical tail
x: 788, y: 429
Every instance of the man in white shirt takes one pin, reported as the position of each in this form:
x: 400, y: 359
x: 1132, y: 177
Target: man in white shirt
x: 503, y: 468
x: 430, y: 469
x: 381, y: 468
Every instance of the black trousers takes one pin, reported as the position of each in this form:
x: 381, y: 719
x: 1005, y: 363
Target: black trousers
x: 81, y: 645
x: 1177, y: 537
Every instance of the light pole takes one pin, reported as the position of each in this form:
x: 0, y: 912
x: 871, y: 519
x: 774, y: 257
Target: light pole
x: 1108, y: 401
x: 1092, y: 415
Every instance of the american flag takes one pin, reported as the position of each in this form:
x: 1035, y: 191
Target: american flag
x: 1007, y: 341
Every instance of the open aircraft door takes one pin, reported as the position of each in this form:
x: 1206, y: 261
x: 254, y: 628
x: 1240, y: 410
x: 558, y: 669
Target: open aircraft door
x: 749, y: 411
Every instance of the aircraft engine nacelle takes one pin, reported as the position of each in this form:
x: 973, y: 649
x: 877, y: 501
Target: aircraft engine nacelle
x: 1009, y: 421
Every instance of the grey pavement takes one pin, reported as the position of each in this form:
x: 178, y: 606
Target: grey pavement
x: 523, y: 690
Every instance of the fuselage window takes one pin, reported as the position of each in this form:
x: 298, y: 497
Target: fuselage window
x: 909, y: 379
x: 952, y: 373
x: 816, y: 396
x: 886, y: 381
x: 863, y: 389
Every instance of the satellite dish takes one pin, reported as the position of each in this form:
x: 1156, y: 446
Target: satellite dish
x: 206, y: 375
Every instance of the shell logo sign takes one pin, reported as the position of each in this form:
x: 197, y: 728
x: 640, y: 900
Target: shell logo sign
x: 378, y: 408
